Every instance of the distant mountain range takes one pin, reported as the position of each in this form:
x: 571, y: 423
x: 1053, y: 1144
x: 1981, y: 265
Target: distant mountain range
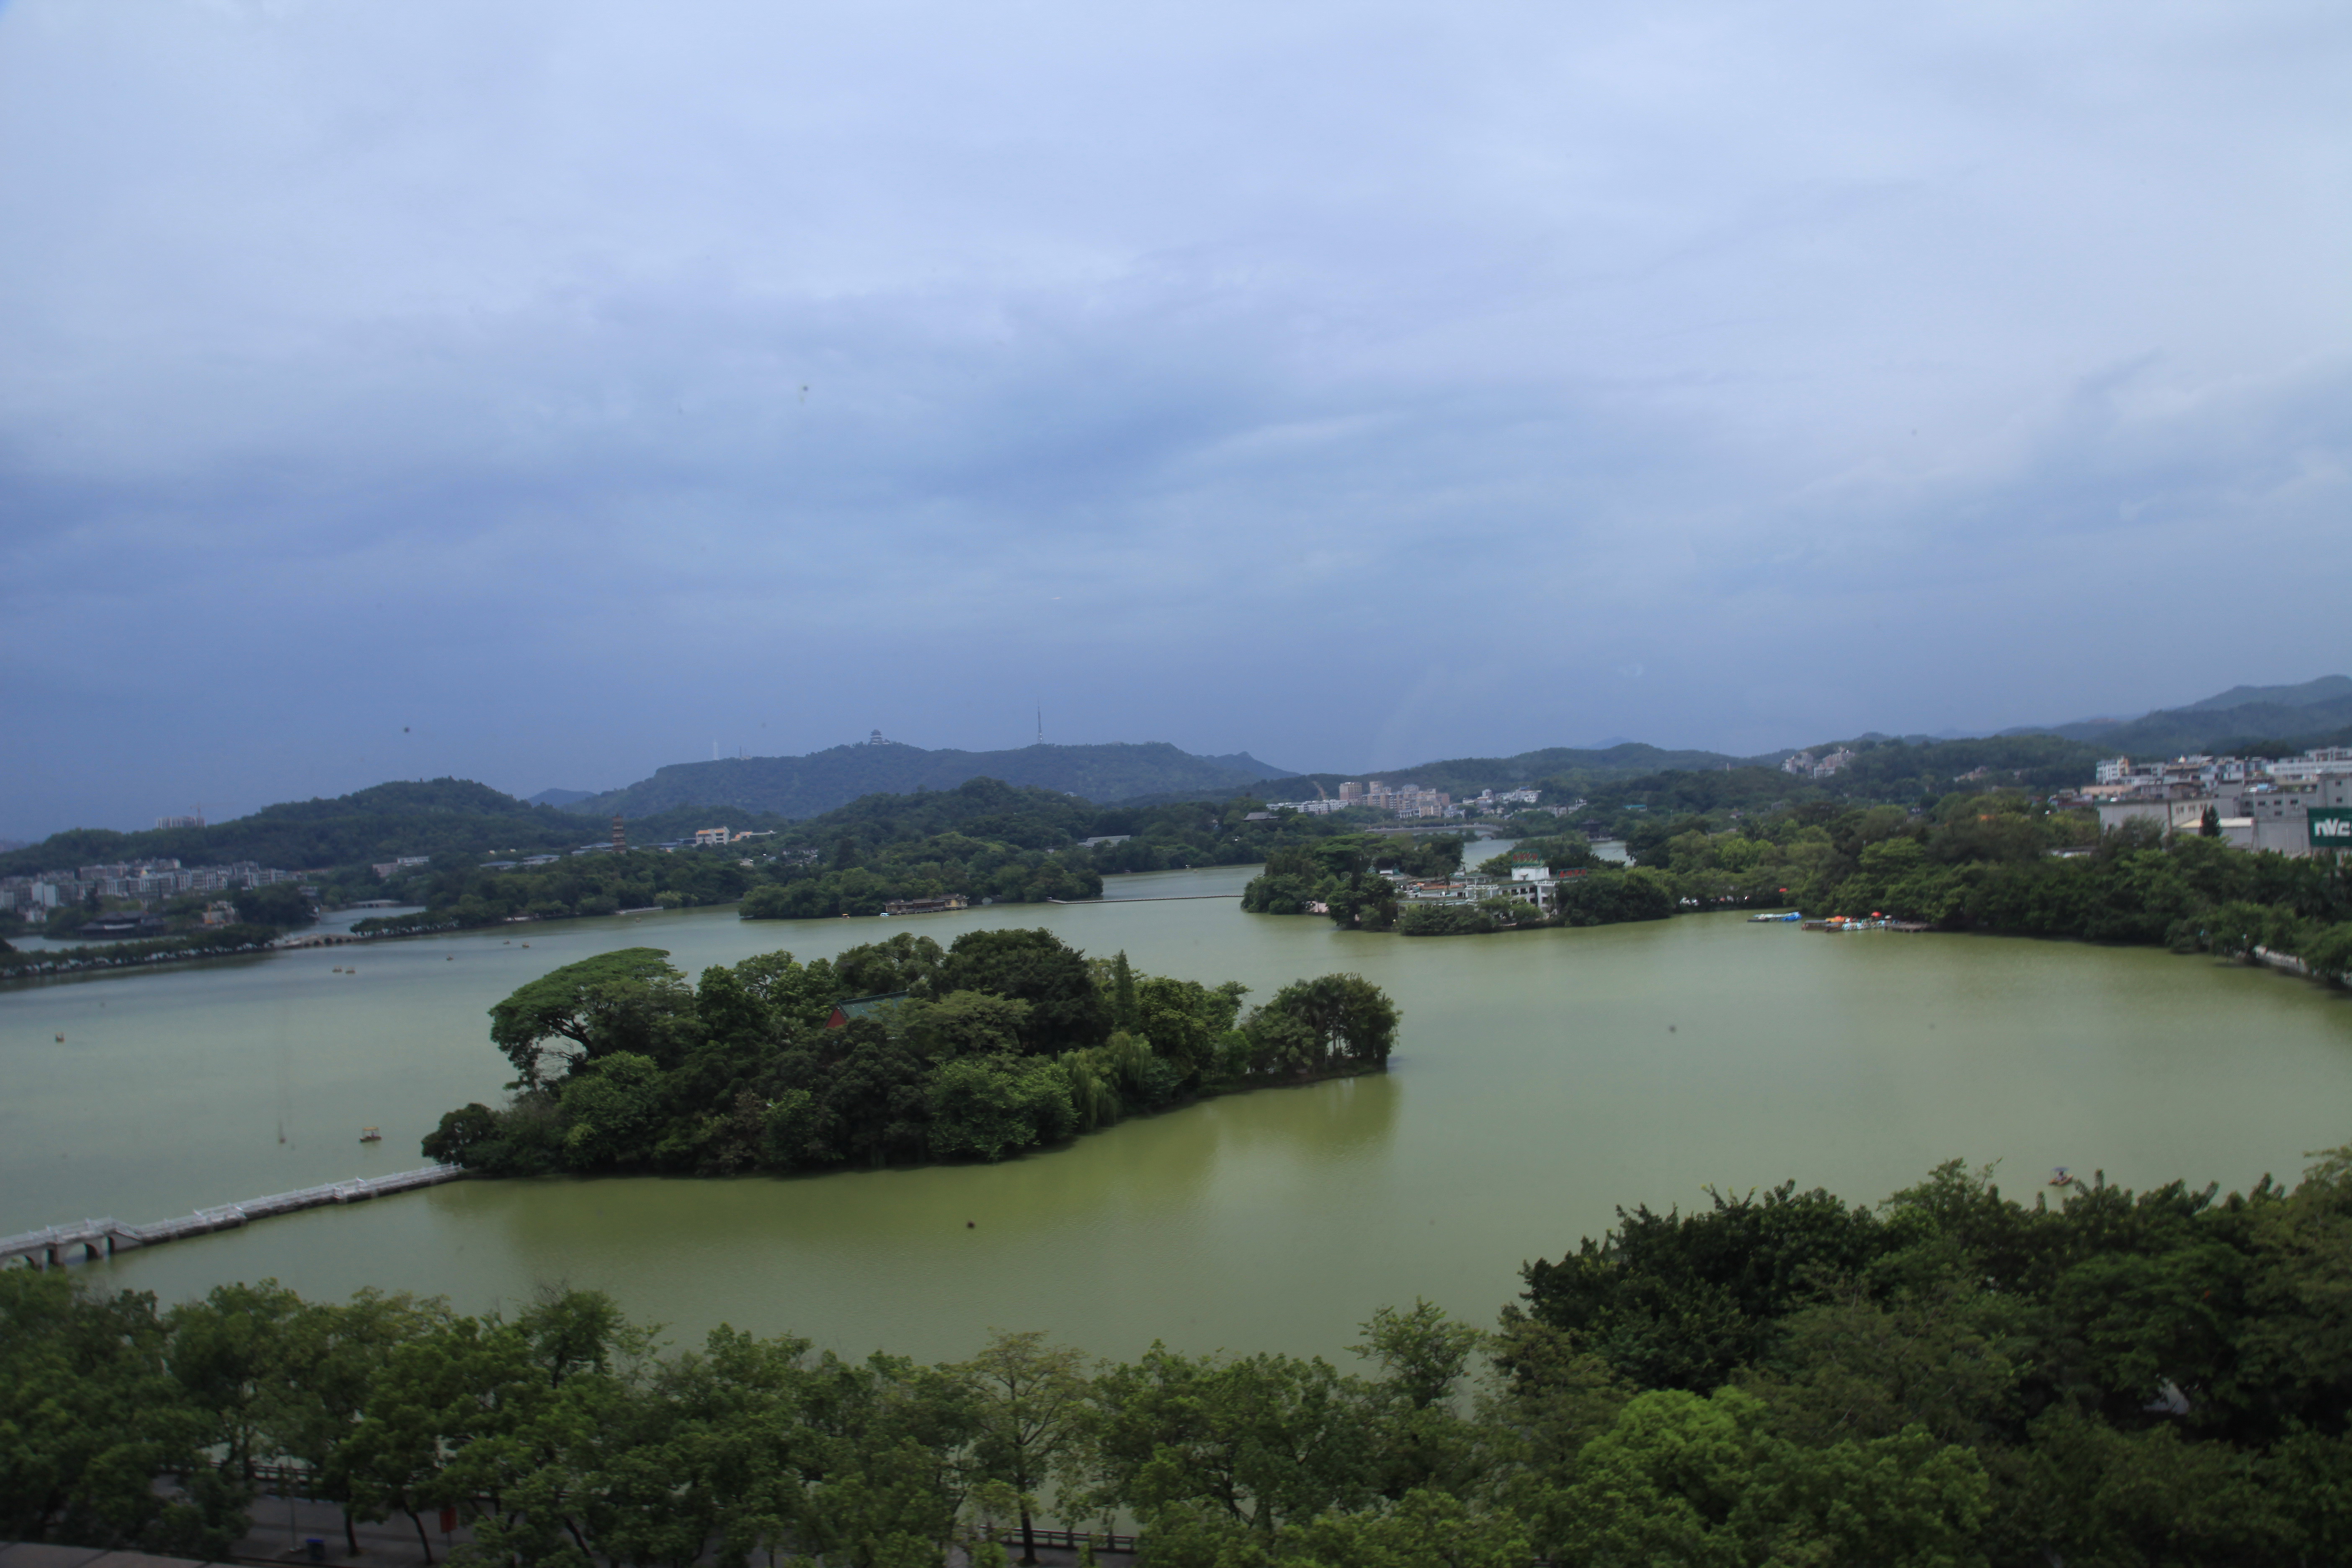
x: 806, y: 786
x: 2284, y: 717
x: 408, y: 819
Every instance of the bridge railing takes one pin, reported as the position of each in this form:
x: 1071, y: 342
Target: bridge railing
x: 1073, y: 1540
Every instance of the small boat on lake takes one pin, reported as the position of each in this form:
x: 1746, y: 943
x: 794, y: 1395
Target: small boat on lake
x: 1772, y: 919
x: 371, y: 1135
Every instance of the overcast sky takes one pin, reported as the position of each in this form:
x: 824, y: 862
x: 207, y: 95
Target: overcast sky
x: 544, y: 393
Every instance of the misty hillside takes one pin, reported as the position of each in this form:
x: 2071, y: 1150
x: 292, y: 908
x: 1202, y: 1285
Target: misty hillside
x: 806, y: 786
x: 381, y: 823
x: 2309, y: 694
x: 1556, y: 766
x: 2307, y: 714
x: 2266, y: 726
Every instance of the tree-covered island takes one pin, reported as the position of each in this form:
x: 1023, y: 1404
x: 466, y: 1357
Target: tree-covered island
x: 894, y: 1052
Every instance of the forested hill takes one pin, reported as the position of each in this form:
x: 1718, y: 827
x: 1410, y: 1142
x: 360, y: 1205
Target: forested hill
x: 1556, y: 766
x: 381, y: 823
x: 2261, y: 719
x: 2327, y: 688
x: 2261, y: 727
x: 822, y: 780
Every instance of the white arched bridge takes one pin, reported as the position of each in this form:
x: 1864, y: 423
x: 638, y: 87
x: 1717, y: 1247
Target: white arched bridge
x: 56, y: 1243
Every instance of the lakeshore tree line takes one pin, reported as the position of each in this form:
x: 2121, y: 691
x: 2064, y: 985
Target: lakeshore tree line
x: 201, y: 942
x: 1005, y: 1040
x: 334, y: 842
x: 1999, y: 861
x: 263, y: 915
x: 1991, y: 859
x: 984, y: 840
x: 1947, y: 1379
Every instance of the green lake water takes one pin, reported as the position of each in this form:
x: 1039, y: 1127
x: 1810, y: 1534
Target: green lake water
x: 1543, y: 1078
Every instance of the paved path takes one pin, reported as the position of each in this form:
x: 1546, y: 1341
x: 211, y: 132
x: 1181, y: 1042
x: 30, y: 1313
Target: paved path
x: 282, y: 1527
x: 1154, y: 898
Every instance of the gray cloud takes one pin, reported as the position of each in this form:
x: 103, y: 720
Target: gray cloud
x: 577, y: 385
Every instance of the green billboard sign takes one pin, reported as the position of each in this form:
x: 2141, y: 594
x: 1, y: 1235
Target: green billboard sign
x: 2331, y: 828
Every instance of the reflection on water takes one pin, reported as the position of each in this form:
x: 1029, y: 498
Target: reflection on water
x: 1543, y: 1078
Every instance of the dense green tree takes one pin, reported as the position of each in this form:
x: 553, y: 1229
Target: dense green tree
x: 1607, y: 897
x: 1558, y: 853
x: 626, y: 1000
x: 1457, y: 919
x: 92, y: 1414
x: 762, y: 999
x: 988, y: 1105
x: 873, y: 1105
x: 1257, y: 1442
x: 2329, y: 953
x: 1362, y: 902
x: 329, y: 1356
x: 1425, y: 1441
x: 1332, y: 1017
x: 611, y: 1110
x: 1425, y: 1530
x: 1124, y: 1010
x: 1030, y: 1419
x: 1678, y: 1301
x: 1279, y: 893
x: 227, y: 1353
x: 1067, y: 1011
x: 1682, y: 1479
x: 273, y: 904
x: 966, y: 1023
x: 905, y: 963
x: 1183, y: 1020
